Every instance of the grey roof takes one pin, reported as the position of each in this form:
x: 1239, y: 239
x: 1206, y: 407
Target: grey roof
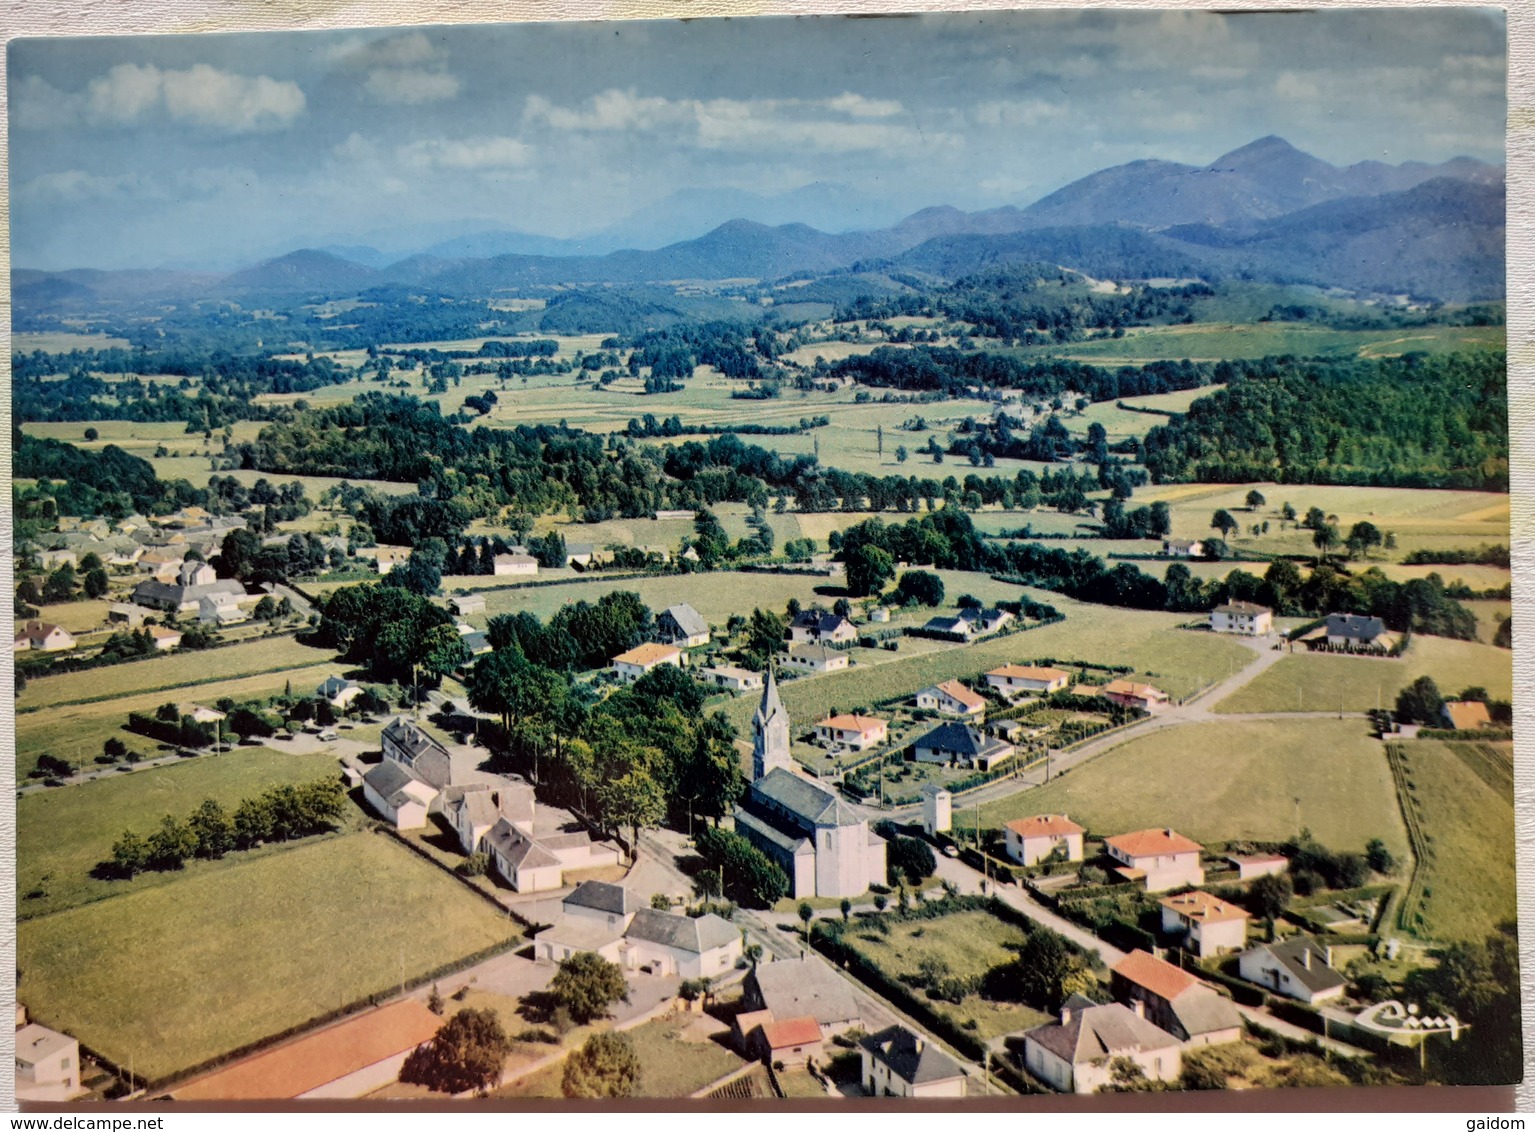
x: 754, y: 825
x: 771, y: 706
x: 389, y: 779
x: 414, y: 741
x: 600, y: 897
x: 479, y: 806
x: 581, y: 935
x: 947, y: 625
x: 684, y: 933
x: 963, y: 741
x: 1316, y: 978
x: 154, y: 591
x: 1354, y: 626
x: 787, y: 791
x: 689, y: 621
x: 818, y: 621
x: 334, y: 685
x: 574, y: 548
x: 519, y: 850
x: 792, y: 988
x: 477, y: 643
x: 1200, y: 1010
x: 913, y: 1059
x: 809, y: 651
x: 1096, y: 1032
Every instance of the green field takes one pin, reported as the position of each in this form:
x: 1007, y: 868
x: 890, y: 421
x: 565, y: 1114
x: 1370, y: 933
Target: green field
x: 1221, y: 782
x: 1463, y: 795
x: 1176, y: 661
x: 970, y: 943
x: 62, y: 834
x: 172, y: 671
x: 1323, y: 682
x: 1217, y: 341
x: 171, y: 976
x: 1121, y: 423
x: 76, y: 732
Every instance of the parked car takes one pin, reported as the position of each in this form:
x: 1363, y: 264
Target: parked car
x: 328, y: 736
x: 951, y: 850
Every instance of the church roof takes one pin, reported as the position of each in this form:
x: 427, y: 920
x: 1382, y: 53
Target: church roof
x: 789, y: 793
x: 771, y: 706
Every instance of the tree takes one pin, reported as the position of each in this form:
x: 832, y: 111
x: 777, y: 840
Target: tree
x: 1420, y: 702
x: 1324, y: 536
x: 1255, y: 499
x: 911, y: 858
x: 1224, y: 522
x: 806, y: 914
x: 846, y: 908
x: 469, y: 1052
x: 1269, y: 896
x: 920, y: 587
x: 606, y: 1066
x: 212, y: 830
x: 1046, y: 972
x: 634, y: 799
x: 114, y: 748
x: 901, y: 454
x: 586, y: 984
x: 1126, y: 1076
x: 129, y: 855
x: 1287, y: 513
x: 1366, y: 536
x: 171, y: 845
x: 96, y: 583
x: 869, y: 568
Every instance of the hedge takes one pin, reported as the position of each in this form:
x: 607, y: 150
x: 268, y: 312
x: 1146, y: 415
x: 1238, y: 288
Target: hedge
x: 1485, y: 734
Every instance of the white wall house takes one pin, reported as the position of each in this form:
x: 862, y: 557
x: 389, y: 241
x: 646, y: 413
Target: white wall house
x: 854, y: 732
x: 1243, y: 618
x: 398, y: 795
x: 1075, y: 1053
x: 951, y: 698
x: 732, y: 678
x: 1299, y: 968
x: 47, y: 1065
x: 633, y: 664
x: 899, y: 1063
x: 1209, y: 925
x: 815, y: 658
x: 1026, y: 679
x: 1162, y: 858
x: 1031, y: 840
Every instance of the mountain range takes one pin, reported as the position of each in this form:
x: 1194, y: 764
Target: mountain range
x: 1266, y: 211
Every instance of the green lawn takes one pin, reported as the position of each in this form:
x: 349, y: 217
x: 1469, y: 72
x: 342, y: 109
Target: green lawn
x: 1324, y: 682
x: 76, y: 732
x: 1464, y: 800
x: 62, y: 834
x: 172, y: 671
x: 174, y: 975
x: 970, y: 943
x: 1228, y: 781
x: 676, y: 1059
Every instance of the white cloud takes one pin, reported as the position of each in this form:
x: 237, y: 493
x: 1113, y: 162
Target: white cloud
x: 409, y: 50
x: 610, y: 110
x: 78, y: 185
x: 857, y: 106
x: 409, y: 86
x: 468, y: 153
x: 1293, y: 86
x: 1012, y: 112
x: 201, y: 96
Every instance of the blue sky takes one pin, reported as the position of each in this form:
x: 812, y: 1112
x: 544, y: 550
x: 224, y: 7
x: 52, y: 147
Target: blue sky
x: 215, y: 150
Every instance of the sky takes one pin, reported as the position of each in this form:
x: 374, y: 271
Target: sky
x: 217, y: 150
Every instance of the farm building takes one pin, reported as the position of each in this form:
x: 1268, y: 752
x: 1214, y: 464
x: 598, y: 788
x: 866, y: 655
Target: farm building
x: 1182, y: 548
x: 1031, y: 840
x: 465, y: 604
x: 514, y: 565
x: 1256, y: 865
x: 194, y: 581
x: 795, y: 988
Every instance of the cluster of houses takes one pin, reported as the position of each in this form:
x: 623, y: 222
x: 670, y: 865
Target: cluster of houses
x: 494, y: 815
x: 611, y: 921
x: 154, y: 545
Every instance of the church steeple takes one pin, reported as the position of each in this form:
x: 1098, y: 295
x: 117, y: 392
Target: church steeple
x: 770, y: 731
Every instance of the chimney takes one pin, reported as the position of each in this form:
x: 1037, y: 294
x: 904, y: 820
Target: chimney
x: 1305, y: 958
x: 1328, y: 959
x: 1139, y: 1006
x: 1065, y: 1015
x: 920, y: 1044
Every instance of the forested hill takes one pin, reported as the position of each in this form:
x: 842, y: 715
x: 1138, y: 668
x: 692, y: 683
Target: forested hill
x: 1414, y: 421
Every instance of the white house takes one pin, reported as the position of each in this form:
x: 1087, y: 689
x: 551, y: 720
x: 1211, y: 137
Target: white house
x: 1026, y: 679
x: 732, y: 678
x: 854, y: 732
x: 633, y: 664
x: 164, y: 639
x: 405, y: 743
x: 1075, y: 1053
x: 220, y: 609
x: 1162, y: 858
x: 956, y: 744
x: 818, y: 625
x: 1031, y: 840
x: 466, y: 604
x: 43, y: 636
x: 1128, y: 693
x: 665, y: 943
x: 1355, y: 631
x: 1208, y: 925
x: 1242, y: 617
x: 398, y: 794
x: 683, y: 626
x: 388, y: 557
x: 473, y: 809
x: 899, y: 1063
x: 47, y: 1065
x: 1299, y: 968
x: 799, y: 988
x: 531, y: 864
x: 1182, y: 548
x: 338, y: 692
x: 1259, y: 865
x: 951, y: 698
x: 514, y: 565
x: 816, y: 658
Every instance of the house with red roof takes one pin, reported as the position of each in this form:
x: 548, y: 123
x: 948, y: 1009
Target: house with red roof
x: 1026, y: 679
x: 1031, y: 840
x: 1174, y: 1000
x: 1127, y: 693
x: 1206, y: 924
x: 1161, y: 858
x: 855, y: 732
x: 951, y: 698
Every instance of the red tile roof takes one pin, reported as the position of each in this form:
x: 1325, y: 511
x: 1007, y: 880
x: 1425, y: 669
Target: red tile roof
x: 863, y: 724
x: 648, y: 654
x: 1030, y: 672
x: 1155, y: 975
x: 1203, y: 907
x: 1467, y: 715
x: 1152, y: 843
x: 955, y: 690
x: 802, y: 1031
x: 1044, y: 825
x: 297, y: 1067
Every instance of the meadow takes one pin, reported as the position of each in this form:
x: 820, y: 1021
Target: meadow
x: 173, y: 671
x: 1218, y: 782
x: 1324, y: 682
x: 76, y: 732
x: 62, y: 834
x: 170, y: 976
x: 1463, y: 798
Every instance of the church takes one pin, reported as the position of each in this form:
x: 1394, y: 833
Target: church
x: 813, y: 835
